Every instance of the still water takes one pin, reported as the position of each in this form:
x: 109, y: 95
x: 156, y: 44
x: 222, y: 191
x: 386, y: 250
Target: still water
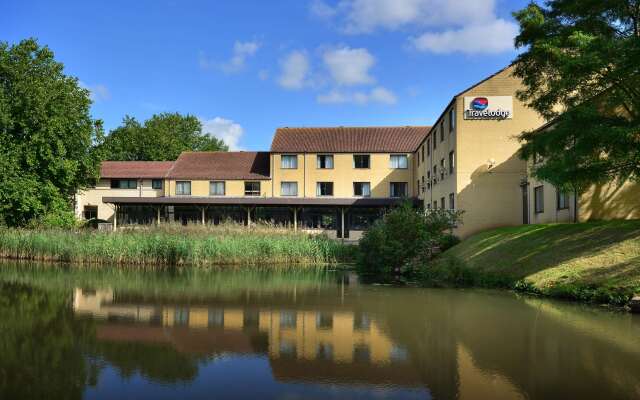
x: 107, y: 333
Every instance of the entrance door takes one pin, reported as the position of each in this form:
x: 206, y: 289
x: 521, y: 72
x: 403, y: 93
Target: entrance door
x: 525, y: 202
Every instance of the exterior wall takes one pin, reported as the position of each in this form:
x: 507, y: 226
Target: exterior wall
x: 233, y: 188
x: 610, y: 201
x: 343, y: 174
x: 93, y: 196
x: 551, y: 212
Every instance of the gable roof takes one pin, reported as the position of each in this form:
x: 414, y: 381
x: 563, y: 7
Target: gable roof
x: 221, y: 165
x: 134, y: 169
x: 390, y: 139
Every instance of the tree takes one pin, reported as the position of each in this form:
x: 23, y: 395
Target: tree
x: 162, y: 137
x: 580, y: 69
x: 46, y: 136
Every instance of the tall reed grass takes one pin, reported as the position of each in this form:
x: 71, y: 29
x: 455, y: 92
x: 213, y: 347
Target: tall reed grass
x: 170, y: 246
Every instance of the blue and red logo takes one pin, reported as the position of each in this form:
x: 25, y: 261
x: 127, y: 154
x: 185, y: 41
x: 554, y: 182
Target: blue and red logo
x: 480, y: 103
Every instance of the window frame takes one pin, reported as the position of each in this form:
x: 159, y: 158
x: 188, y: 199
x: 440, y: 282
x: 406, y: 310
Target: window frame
x: 452, y: 118
x: 399, y: 156
x: 153, y: 184
x: 319, y: 189
x: 406, y: 190
x: 362, y: 191
x: 368, y: 157
x: 452, y: 201
x: 560, y: 194
x: 538, y: 210
x: 452, y: 161
x: 118, y: 186
x: 288, y: 156
x: 91, y: 209
x: 295, y: 185
x: 181, y: 184
x: 318, y: 157
x: 224, y: 188
x: 252, y: 192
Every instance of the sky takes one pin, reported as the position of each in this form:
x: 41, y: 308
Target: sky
x: 247, y: 67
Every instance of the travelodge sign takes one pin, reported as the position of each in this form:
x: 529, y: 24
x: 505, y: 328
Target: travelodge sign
x: 488, y: 107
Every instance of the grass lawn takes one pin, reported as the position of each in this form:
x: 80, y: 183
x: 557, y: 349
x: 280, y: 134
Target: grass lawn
x: 581, y: 261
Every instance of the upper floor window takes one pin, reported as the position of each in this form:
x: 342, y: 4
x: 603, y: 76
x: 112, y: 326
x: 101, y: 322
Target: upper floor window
x: 452, y: 161
x: 435, y: 139
x: 216, y: 188
x: 156, y: 184
x: 362, y: 189
x: 124, y: 184
x: 289, y: 161
x: 442, y: 169
x: 562, y: 200
x: 422, y: 151
x: 399, y: 161
x: 324, y: 161
x: 252, y: 188
x: 538, y: 198
x: 324, y: 189
x: 183, y: 188
x: 361, y: 161
x: 428, y: 146
x: 442, y: 131
x: 452, y: 119
x: 435, y: 174
x: 289, y: 188
x: 398, y: 189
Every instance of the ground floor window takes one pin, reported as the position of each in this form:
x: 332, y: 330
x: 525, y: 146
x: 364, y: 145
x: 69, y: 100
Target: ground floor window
x: 136, y: 215
x: 319, y: 218
x: 452, y: 200
x: 398, y: 189
x: 442, y: 206
x: 362, y: 218
x: 90, y: 212
x: 562, y: 200
x: 538, y: 197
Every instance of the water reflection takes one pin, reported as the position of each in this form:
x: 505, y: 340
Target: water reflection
x: 67, y: 334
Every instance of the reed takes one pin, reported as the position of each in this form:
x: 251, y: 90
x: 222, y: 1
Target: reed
x: 170, y: 246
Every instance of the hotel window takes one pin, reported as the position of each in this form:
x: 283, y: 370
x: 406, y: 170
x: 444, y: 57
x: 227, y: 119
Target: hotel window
x: 428, y: 146
x: 435, y: 174
x: 324, y: 189
x: 428, y: 179
x: 183, y: 188
x: 361, y: 161
x: 452, y: 201
x: 216, y: 188
x: 289, y: 161
x: 399, y: 161
x: 324, y: 161
x: 442, y: 169
x: 324, y: 320
x: 435, y: 139
x: 423, y: 184
x: 156, y: 184
x: 452, y: 161
x: 435, y: 205
x: 124, y: 184
x: 418, y: 185
x: 538, y: 196
x: 563, y: 200
x: 422, y: 151
x: 90, y: 212
x: 442, y: 131
x: 398, y: 189
x: 252, y: 188
x: 452, y: 119
x: 362, y: 189
x: 289, y: 188
x: 442, y: 203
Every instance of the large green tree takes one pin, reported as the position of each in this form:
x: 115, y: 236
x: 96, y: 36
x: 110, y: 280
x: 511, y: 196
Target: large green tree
x: 46, y: 136
x: 581, y: 70
x: 162, y: 137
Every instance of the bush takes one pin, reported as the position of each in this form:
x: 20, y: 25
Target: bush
x: 403, y: 237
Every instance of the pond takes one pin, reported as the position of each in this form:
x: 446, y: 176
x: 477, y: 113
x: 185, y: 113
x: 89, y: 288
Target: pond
x: 110, y: 333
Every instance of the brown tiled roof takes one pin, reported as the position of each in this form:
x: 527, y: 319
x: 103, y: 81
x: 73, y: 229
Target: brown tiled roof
x: 221, y: 165
x: 392, y: 139
x: 134, y: 169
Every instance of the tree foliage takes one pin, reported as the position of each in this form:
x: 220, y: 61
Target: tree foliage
x: 162, y: 137
x: 580, y: 68
x: 46, y: 136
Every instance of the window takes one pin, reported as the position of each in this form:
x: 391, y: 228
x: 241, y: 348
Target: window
x: 324, y: 161
x: 563, y: 200
x: 429, y: 206
x: 90, y: 212
x: 452, y: 161
x: 399, y: 161
x: 418, y: 185
x: 324, y: 189
x: 252, y: 188
x: 452, y: 199
x: 361, y: 161
x: 538, y: 195
x: 422, y: 151
x: 362, y: 189
x: 216, y: 188
x: 288, y: 319
x: 289, y: 188
x: 442, y: 131
x: 183, y: 188
x: 289, y: 161
x: 156, y: 184
x: 124, y: 184
x: 442, y: 203
x: 452, y: 119
x: 428, y: 179
x: 428, y: 146
x: 435, y: 139
x: 435, y: 205
x: 435, y: 174
x: 423, y: 188
x: 398, y: 189
x: 442, y: 169
x: 324, y: 320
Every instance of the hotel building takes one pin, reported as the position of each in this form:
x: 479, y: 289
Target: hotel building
x: 340, y: 179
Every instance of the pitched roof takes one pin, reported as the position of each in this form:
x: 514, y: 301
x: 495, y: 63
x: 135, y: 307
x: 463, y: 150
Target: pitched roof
x: 134, y: 169
x: 391, y: 139
x: 221, y: 165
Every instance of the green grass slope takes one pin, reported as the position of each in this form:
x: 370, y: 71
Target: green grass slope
x: 596, y: 261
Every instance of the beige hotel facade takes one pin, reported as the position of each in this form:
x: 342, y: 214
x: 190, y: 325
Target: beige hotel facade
x: 339, y: 180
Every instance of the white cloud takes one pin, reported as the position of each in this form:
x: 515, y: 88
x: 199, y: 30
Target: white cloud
x: 97, y: 92
x: 294, y: 70
x: 378, y: 95
x: 241, y: 51
x: 321, y: 9
x: 349, y: 66
x: 224, y: 129
x: 496, y: 38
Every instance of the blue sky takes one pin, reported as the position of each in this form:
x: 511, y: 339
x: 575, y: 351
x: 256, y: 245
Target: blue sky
x: 246, y: 67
